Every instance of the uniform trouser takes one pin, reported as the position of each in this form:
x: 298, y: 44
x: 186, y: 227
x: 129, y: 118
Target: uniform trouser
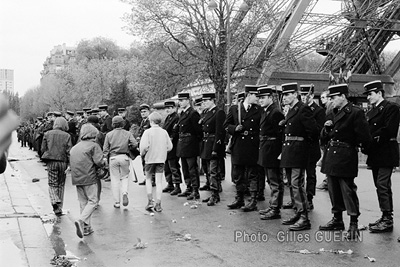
x: 172, y: 171
x: 383, y: 183
x: 261, y: 180
x: 119, y: 171
x: 206, y: 169
x: 87, y: 196
x: 244, y: 176
x: 275, y: 182
x: 98, y: 189
x: 56, y: 181
x: 295, y: 178
x: 190, y: 171
x: 221, y: 166
x: 213, y: 173
x: 311, y: 181
x: 343, y: 194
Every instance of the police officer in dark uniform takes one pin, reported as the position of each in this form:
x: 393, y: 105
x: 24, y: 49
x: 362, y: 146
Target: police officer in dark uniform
x: 270, y: 149
x: 242, y: 123
x: 172, y: 168
x: 190, y: 134
x: 144, y: 125
x: 342, y: 136
x: 69, y: 116
x: 86, y: 112
x: 300, y: 130
x: 106, y: 119
x: 318, y: 113
x: 212, y: 147
x: 383, y: 154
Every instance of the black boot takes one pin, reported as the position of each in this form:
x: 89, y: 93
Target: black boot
x: 385, y: 225
x: 252, y: 205
x: 177, y: 190
x: 214, y: 199
x: 272, y: 214
x: 333, y: 225
x: 237, y: 203
x: 302, y: 224
x: 186, y: 193
x: 169, y: 188
x: 292, y: 220
x: 205, y: 187
x: 353, y: 234
x: 260, y: 196
x: 310, y: 203
x: 194, y: 195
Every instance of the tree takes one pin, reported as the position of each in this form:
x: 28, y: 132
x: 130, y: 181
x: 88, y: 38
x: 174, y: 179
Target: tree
x: 200, y: 34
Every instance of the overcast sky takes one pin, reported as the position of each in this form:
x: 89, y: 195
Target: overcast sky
x: 29, y: 29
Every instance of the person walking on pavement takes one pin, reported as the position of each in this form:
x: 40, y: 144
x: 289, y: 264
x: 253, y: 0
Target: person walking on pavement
x: 154, y: 146
x: 300, y: 130
x: 115, y: 151
x: 242, y: 123
x: 85, y: 158
x: 187, y: 149
x: 56, y: 146
x: 212, y: 147
x: 383, y: 154
x: 342, y: 136
x: 172, y: 168
x: 318, y: 113
x: 270, y: 149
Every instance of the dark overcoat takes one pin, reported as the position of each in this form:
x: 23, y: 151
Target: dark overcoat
x: 213, y: 133
x: 170, y: 125
x: 318, y: 114
x: 383, y: 122
x: 190, y: 134
x: 270, y: 149
x: 244, y: 145
x: 299, y: 124
x: 349, y: 131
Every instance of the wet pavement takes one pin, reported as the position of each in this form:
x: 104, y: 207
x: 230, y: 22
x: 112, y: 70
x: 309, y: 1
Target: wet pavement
x: 30, y: 235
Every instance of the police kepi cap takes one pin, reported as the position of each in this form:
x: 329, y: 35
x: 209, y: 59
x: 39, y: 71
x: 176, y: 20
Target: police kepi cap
x: 240, y: 96
x: 198, y: 101
x: 307, y: 89
x: 40, y: 118
x: 252, y: 89
x: 103, y: 107
x: 121, y: 109
x: 95, y: 110
x: 208, y: 96
x: 169, y: 104
x: 57, y: 113
x: 79, y: 113
x: 144, y: 106
x: 183, y: 96
x: 374, y: 86
x: 86, y: 109
x: 289, y: 88
x: 338, y: 89
x: 70, y: 113
x: 264, y: 90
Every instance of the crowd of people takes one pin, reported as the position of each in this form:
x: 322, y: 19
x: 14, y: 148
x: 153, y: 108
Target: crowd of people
x: 268, y: 138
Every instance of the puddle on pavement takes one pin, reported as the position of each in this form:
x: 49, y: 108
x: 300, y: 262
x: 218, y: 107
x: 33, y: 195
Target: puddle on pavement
x: 11, y: 254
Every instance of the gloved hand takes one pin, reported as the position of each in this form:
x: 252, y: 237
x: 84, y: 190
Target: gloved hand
x: 239, y: 128
x: 328, y: 125
x: 282, y: 123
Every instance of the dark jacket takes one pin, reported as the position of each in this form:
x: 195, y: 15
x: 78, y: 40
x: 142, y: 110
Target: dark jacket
x: 244, y: 145
x: 213, y: 133
x: 56, y: 145
x: 349, y: 131
x: 106, y: 126
x: 299, y: 124
x: 383, y: 123
x: 170, y: 126
x: 190, y: 133
x: 270, y: 137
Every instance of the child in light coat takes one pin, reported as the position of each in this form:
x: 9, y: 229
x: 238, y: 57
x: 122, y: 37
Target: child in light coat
x: 154, y: 146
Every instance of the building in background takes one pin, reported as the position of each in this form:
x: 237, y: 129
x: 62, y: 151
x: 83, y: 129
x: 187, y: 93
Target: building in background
x: 60, y: 57
x: 7, y: 80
